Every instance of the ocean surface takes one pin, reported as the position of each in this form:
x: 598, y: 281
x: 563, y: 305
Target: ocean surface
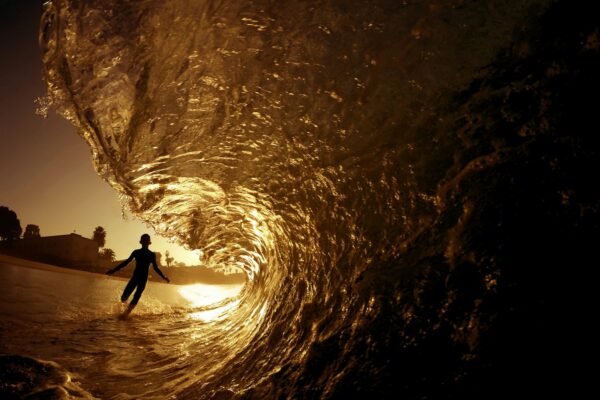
x: 72, y: 320
x: 409, y: 186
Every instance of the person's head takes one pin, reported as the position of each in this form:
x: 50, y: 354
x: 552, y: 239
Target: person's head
x: 145, y: 240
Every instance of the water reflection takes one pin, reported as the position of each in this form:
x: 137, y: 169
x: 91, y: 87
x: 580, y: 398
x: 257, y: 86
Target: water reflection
x: 215, y: 314
x: 200, y: 295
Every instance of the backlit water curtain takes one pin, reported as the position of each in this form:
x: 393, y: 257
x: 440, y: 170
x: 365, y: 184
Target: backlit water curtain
x: 386, y: 173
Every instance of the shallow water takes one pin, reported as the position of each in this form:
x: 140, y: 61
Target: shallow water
x: 73, y: 320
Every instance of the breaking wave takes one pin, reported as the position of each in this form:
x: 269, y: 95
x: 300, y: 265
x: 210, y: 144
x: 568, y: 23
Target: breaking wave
x: 351, y: 157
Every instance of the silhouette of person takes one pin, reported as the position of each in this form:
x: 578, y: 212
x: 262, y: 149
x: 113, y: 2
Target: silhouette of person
x: 143, y: 258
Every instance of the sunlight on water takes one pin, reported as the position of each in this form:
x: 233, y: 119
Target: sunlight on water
x: 200, y: 295
x: 215, y: 314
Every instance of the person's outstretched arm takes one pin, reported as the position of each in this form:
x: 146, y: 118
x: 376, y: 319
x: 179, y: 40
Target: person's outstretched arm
x: 124, y: 263
x: 158, y: 271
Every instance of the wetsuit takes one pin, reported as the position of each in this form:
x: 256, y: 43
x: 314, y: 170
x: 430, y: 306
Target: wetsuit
x: 143, y: 258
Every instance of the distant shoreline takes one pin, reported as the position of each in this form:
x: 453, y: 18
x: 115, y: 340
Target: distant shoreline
x: 22, y: 262
x: 173, y: 273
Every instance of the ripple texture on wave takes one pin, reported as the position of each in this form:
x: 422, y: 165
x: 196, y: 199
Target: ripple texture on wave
x: 392, y: 232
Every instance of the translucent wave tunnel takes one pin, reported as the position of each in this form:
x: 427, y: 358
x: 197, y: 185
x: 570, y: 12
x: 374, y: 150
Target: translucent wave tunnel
x: 309, y: 144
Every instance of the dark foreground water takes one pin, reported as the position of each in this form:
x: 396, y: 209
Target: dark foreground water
x: 410, y: 186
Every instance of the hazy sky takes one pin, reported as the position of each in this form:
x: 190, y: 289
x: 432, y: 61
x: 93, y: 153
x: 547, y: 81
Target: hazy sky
x: 46, y: 172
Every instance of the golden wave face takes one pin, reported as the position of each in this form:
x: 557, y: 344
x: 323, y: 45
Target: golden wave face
x: 311, y: 145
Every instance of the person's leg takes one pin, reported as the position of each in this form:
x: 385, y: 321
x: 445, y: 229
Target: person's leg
x: 128, y: 289
x: 141, y: 285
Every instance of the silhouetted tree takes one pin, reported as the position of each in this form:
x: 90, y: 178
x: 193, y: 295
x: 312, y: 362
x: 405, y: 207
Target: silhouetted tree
x: 99, y: 236
x: 31, y: 231
x: 108, y: 254
x: 10, y: 226
x: 168, y: 258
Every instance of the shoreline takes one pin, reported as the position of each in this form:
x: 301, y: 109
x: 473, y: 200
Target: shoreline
x: 22, y: 262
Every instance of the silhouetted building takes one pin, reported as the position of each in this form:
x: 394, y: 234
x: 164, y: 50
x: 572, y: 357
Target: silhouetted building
x: 70, y: 250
